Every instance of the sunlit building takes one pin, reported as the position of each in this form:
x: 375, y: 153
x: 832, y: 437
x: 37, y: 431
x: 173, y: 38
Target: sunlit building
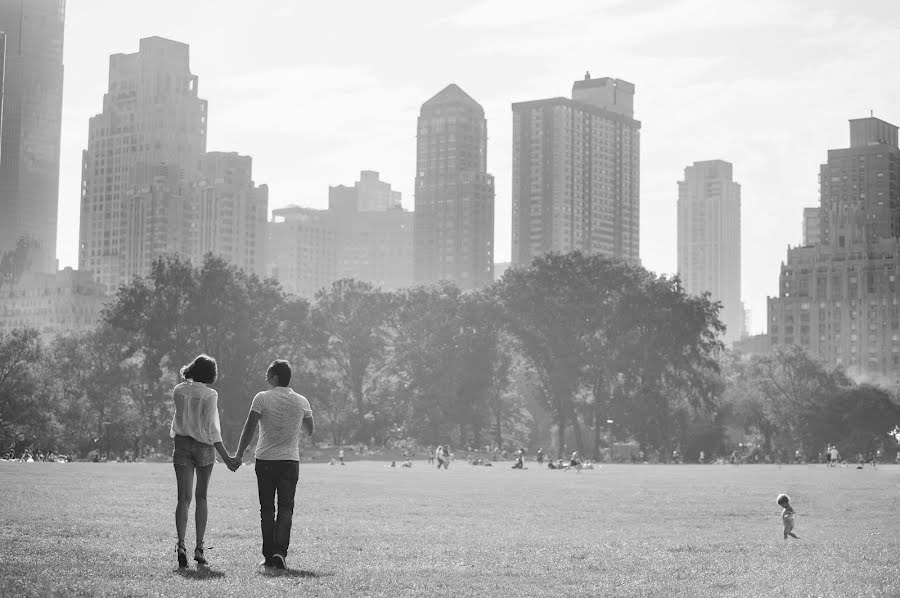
x: 839, y: 298
x: 30, y: 126
x: 709, y: 239
x: 374, y: 234
x: 811, y: 227
x: 232, y: 212
x: 142, y: 164
x: 302, y: 249
x: 576, y: 173
x: 454, y: 194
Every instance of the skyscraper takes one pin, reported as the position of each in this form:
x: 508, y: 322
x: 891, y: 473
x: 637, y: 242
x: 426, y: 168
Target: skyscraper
x: 576, y: 173
x: 709, y: 239
x: 232, y: 212
x: 31, y: 124
x: 839, y: 298
x: 454, y: 194
x: 142, y: 165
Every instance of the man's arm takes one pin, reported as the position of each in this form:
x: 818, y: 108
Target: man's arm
x: 247, y: 433
x: 308, y: 424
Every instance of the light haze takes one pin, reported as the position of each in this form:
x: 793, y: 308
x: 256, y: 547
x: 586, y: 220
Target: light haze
x: 316, y: 92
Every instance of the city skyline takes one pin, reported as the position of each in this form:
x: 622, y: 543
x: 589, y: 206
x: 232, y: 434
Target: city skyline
x: 760, y: 74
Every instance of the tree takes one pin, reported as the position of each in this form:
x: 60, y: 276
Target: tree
x: 591, y: 325
x: 20, y: 354
x: 90, y: 380
x: 352, y: 321
x: 179, y: 311
x: 16, y: 261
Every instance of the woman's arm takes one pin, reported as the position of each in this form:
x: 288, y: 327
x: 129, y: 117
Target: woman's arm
x: 216, y: 433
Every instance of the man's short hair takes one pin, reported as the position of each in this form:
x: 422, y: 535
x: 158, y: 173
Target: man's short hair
x: 282, y: 369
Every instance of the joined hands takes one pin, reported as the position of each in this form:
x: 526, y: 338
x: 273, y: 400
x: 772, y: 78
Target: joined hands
x: 233, y: 462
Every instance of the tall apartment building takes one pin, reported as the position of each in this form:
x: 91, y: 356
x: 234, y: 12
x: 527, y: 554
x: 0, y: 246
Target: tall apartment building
x: 709, y: 239
x: 31, y: 124
x: 454, y: 194
x: 576, y: 173
x: 839, y: 298
x: 142, y: 164
x: 149, y: 187
x: 232, y: 211
x: 373, y: 232
x: 301, y: 249
x: 811, y: 228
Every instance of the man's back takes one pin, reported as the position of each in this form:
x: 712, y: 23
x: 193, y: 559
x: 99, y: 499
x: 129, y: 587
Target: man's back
x: 281, y: 412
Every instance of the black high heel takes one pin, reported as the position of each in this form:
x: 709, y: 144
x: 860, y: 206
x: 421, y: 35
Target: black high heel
x: 182, y: 555
x: 198, y: 554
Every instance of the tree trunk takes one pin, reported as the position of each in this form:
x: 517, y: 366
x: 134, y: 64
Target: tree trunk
x: 360, y: 407
x: 576, y: 428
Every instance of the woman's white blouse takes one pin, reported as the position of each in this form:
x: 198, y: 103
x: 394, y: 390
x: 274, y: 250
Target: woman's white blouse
x: 196, y: 413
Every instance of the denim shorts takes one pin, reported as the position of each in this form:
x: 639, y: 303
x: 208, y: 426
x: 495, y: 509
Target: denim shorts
x: 192, y: 453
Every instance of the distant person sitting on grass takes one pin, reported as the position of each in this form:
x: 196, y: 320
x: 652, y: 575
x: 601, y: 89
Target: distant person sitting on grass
x: 280, y: 414
x: 407, y: 463
x: 197, y: 433
x: 575, y: 461
x: 519, y: 462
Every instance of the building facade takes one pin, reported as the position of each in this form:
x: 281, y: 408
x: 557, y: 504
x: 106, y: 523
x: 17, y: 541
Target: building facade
x: 67, y: 301
x: 31, y: 125
x: 454, y: 194
x: 374, y: 233
x: 302, y: 249
x: 576, y: 173
x: 839, y: 298
x: 149, y: 187
x: 811, y: 235
x: 709, y: 239
x: 142, y: 164
x: 232, y: 211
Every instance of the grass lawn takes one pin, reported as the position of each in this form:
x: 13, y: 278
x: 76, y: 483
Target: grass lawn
x: 368, y: 530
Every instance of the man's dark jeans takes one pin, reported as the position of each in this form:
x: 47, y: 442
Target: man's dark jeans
x: 280, y: 477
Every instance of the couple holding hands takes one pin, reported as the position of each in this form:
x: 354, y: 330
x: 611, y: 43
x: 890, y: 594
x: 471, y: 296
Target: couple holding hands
x: 280, y: 413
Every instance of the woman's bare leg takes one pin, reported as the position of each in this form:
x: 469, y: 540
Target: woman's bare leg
x: 200, y: 510
x: 185, y: 476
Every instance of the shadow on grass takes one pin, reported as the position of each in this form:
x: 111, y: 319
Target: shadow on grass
x: 296, y: 573
x: 199, y: 573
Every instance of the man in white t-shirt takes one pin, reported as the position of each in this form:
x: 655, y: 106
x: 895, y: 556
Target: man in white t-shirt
x: 281, y: 413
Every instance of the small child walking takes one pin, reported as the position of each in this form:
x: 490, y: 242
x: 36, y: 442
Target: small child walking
x: 787, y: 516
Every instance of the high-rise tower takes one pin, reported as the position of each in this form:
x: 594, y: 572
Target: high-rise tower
x: 454, y: 194
x: 576, y: 173
x: 839, y: 298
x: 142, y: 165
x: 31, y: 123
x: 709, y: 239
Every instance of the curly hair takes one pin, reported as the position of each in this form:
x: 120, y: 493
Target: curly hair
x: 202, y: 369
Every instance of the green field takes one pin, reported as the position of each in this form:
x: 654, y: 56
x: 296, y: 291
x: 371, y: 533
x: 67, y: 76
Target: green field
x: 368, y: 530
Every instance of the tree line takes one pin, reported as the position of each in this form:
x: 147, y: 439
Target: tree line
x: 573, y: 352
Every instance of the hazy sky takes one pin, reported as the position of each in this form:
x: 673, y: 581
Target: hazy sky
x: 317, y: 91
